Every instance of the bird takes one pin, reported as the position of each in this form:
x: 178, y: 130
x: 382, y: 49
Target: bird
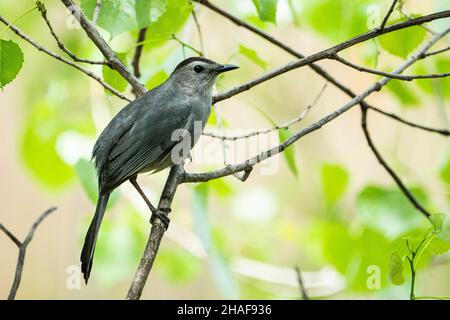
x: 140, y: 137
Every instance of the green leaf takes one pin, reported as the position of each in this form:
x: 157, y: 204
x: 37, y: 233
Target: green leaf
x: 11, y: 61
x: 220, y: 269
x: 267, y: 9
x: 403, y: 93
x: 396, y: 269
x: 388, y: 211
x: 156, y: 80
x: 117, y: 16
x: 402, y: 42
x: 113, y: 78
x: 173, y: 18
x: 338, y: 20
x: 253, y: 56
x: 441, y: 241
x: 88, y: 178
x: 352, y: 252
x: 86, y: 173
x: 119, y: 246
x: 289, y: 152
x: 442, y: 66
x: 334, y: 181
x: 177, y: 264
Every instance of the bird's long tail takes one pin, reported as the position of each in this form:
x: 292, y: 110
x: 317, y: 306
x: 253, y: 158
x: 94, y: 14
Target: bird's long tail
x: 87, y: 254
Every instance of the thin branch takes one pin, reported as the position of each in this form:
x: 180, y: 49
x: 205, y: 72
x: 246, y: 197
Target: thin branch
x: 22, y: 251
x: 113, y: 61
x: 199, y: 31
x: 156, y: 235
x: 408, y: 16
x: 285, y: 125
x: 300, y: 284
x: 62, y: 59
x: 10, y: 235
x: 391, y: 172
x: 43, y: 11
x: 389, y: 74
x: 98, y: 6
x: 329, y: 53
x: 388, y: 14
x: 435, y: 52
x: 185, y: 45
x: 138, y: 53
x: 228, y: 170
x: 443, y: 132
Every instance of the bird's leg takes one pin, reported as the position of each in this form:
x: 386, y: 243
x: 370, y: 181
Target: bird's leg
x: 161, y: 214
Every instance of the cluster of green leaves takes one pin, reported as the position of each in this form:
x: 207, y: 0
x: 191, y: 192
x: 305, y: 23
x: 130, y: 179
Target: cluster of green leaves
x: 386, y: 221
x: 162, y: 18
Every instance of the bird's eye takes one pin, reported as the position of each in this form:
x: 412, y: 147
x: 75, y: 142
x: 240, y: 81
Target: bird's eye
x: 198, y: 68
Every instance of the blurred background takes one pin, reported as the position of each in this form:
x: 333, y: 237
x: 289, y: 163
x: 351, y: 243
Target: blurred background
x: 325, y: 206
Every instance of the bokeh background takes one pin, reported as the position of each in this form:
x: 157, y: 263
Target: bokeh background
x: 327, y: 206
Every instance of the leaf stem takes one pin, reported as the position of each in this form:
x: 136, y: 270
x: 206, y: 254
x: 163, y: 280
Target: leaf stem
x: 17, y: 19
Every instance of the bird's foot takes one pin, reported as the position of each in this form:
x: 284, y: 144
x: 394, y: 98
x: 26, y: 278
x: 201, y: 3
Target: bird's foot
x: 162, y: 215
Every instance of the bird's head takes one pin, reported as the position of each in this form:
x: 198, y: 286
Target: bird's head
x: 198, y: 74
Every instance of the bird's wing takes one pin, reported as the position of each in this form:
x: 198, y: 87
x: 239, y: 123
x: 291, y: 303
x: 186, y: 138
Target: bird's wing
x: 146, y: 143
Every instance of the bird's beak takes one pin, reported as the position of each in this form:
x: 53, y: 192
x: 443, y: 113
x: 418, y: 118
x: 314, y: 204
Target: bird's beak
x: 226, y: 67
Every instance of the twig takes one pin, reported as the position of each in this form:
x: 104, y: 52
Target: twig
x: 98, y: 6
x: 185, y: 45
x: 113, y: 61
x: 10, y: 235
x: 61, y: 45
x: 62, y: 59
x: 199, y: 31
x: 300, y: 284
x: 408, y: 16
x: 443, y: 132
x: 22, y: 251
x: 388, y: 74
x: 435, y: 52
x: 384, y: 164
x: 388, y: 14
x: 285, y: 125
x: 138, y: 53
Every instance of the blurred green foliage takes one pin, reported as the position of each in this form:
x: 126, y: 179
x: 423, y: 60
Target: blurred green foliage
x: 382, y: 228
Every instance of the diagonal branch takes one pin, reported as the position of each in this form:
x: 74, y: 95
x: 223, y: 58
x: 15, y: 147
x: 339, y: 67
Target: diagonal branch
x: 384, y: 164
x: 98, y: 6
x: 388, y: 14
x: 62, y: 59
x: 113, y: 61
x: 22, y: 251
x: 329, y: 53
x: 10, y: 235
x: 443, y: 132
x: 388, y: 74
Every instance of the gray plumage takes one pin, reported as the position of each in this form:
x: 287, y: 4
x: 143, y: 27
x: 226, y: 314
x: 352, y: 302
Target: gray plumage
x: 139, y: 138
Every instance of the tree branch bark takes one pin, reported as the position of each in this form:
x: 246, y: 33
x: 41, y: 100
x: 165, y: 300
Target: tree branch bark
x: 22, y: 250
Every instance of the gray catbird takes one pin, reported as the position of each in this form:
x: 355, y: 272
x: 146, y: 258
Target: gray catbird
x: 140, y: 137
